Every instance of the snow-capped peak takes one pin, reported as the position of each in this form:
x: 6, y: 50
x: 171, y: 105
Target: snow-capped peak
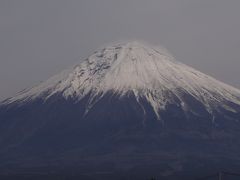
x: 147, y: 71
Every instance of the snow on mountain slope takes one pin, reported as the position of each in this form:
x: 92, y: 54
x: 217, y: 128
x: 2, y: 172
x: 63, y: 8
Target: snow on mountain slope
x: 147, y: 71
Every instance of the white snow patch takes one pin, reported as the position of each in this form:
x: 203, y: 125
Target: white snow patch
x: 147, y: 71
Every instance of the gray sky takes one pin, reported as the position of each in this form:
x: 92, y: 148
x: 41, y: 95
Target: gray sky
x: 39, y: 38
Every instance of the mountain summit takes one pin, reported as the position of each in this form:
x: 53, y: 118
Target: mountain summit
x: 128, y: 109
x: 146, y: 71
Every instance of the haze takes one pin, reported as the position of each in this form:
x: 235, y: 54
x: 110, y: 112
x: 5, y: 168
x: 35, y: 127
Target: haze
x: 40, y: 38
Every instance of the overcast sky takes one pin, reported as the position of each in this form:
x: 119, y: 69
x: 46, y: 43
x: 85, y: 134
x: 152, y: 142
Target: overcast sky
x: 39, y: 38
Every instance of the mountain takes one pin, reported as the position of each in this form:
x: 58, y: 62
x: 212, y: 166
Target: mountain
x: 129, y: 110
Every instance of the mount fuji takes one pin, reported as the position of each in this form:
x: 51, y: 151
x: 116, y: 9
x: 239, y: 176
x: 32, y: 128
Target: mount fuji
x: 130, y: 110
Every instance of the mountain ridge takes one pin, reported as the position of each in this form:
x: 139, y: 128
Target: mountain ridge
x: 146, y: 71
